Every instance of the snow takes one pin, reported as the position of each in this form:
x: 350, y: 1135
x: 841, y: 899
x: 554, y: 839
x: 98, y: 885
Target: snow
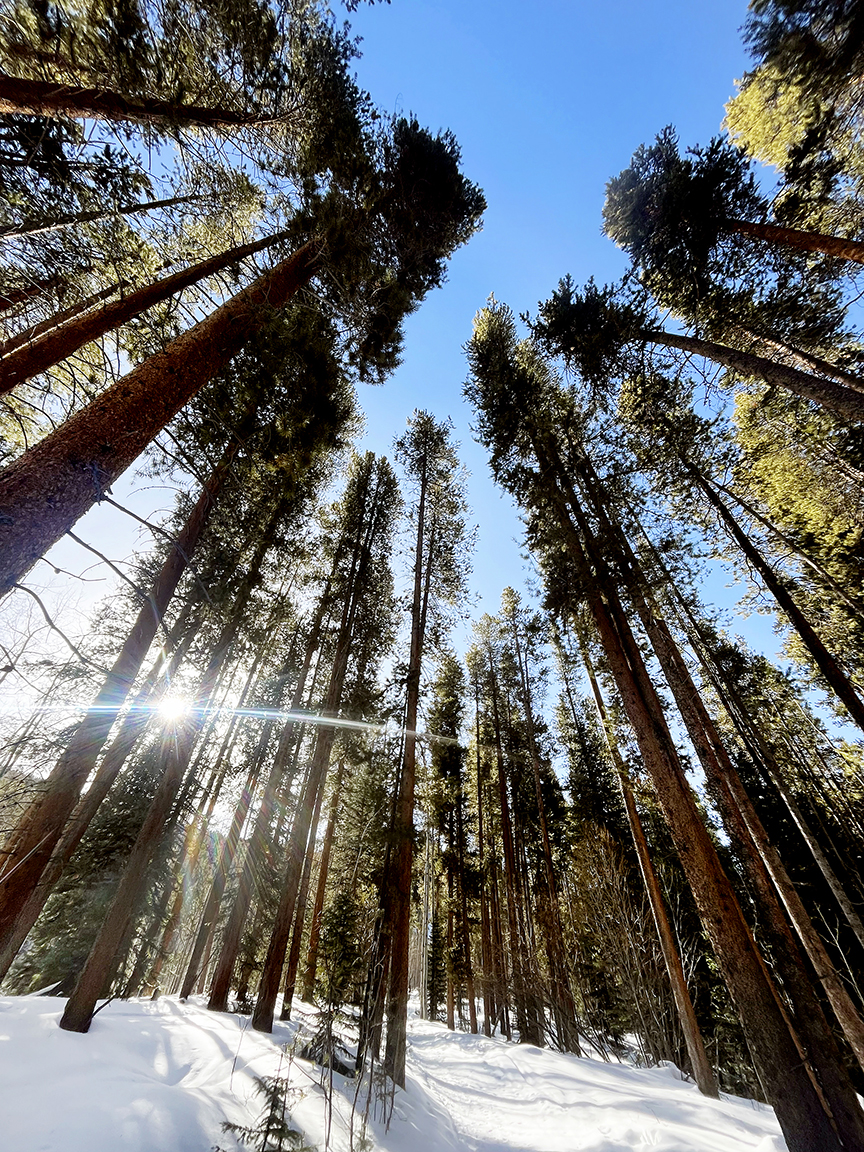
x: 161, y: 1076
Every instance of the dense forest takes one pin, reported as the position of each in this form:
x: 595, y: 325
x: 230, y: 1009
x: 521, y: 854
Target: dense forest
x: 287, y: 762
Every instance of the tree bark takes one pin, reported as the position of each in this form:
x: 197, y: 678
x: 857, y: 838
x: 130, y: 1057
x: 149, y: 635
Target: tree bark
x: 702, y: 1070
x: 257, y: 848
x: 321, y: 887
x: 134, y: 724
x: 42, y: 352
x: 49, y: 487
x: 840, y: 684
x: 835, y: 246
x: 57, y: 101
x: 300, y: 913
x: 40, y: 227
x: 29, y: 848
x: 97, y: 970
x: 788, y: 1087
x: 845, y: 402
x: 403, y: 851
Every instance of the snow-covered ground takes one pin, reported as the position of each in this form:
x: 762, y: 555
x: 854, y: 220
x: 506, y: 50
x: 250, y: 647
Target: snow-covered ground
x: 162, y: 1076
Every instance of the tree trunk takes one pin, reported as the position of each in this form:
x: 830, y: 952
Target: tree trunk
x: 485, y: 933
x: 702, y: 1070
x: 50, y: 486
x: 822, y: 658
x: 134, y: 724
x: 564, y: 1007
x: 403, y: 850
x: 528, y: 1034
x: 256, y: 849
x: 318, y: 910
x: 30, y: 846
x: 42, y: 352
x: 12, y: 296
x: 40, y: 227
x: 835, y: 246
x: 300, y: 913
x: 28, y: 335
x: 845, y: 402
x: 268, y: 990
x: 58, y: 101
x: 224, y: 861
x: 787, y: 1084
x: 97, y: 970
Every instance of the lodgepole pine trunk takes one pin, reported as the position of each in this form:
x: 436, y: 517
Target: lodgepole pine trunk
x: 30, y: 357
x: 300, y: 913
x: 836, y: 246
x: 29, y: 848
x: 844, y: 401
x: 40, y: 227
x: 28, y: 335
x: 837, y: 680
x: 131, y: 729
x: 257, y: 848
x: 702, y: 1071
x: 224, y: 861
x: 98, y: 968
x: 564, y: 1005
x: 528, y: 1033
x: 271, y: 975
x: 12, y: 296
x: 399, y: 896
x: 47, y: 489
x: 485, y: 933
x: 311, y: 969
x: 57, y: 101
x: 788, y: 1087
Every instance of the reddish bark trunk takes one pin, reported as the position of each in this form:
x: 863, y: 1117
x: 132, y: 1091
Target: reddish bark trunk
x: 47, y: 489
x: 42, y: 352
x: 42, y: 98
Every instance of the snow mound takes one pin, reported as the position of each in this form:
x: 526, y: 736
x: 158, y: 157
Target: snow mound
x: 162, y: 1077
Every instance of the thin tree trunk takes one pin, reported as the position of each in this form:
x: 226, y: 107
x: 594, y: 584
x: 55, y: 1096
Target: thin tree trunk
x: 798, y: 358
x: 323, y: 870
x: 256, y: 850
x: 837, y: 680
x: 29, y: 848
x: 97, y: 969
x: 821, y: 572
x: 40, y: 227
x: 224, y: 862
x: 846, y: 402
x: 401, y: 860
x: 13, y: 296
x: 527, y: 1033
x: 50, y: 486
x: 28, y: 335
x: 268, y: 989
x: 300, y: 913
x: 564, y: 1006
x: 702, y: 1070
x: 41, y: 353
x: 133, y: 726
x: 59, y: 101
x: 485, y: 933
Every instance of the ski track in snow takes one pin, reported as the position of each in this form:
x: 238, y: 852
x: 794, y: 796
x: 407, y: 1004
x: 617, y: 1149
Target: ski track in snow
x: 162, y: 1076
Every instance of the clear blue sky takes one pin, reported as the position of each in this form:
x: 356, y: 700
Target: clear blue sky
x: 547, y: 101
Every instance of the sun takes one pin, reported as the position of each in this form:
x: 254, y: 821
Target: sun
x: 173, y: 708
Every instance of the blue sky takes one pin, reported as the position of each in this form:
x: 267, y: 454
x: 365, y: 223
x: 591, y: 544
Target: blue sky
x: 547, y: 101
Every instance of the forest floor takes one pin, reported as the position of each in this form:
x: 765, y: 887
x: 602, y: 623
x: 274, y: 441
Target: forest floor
x: 162, y: 1077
